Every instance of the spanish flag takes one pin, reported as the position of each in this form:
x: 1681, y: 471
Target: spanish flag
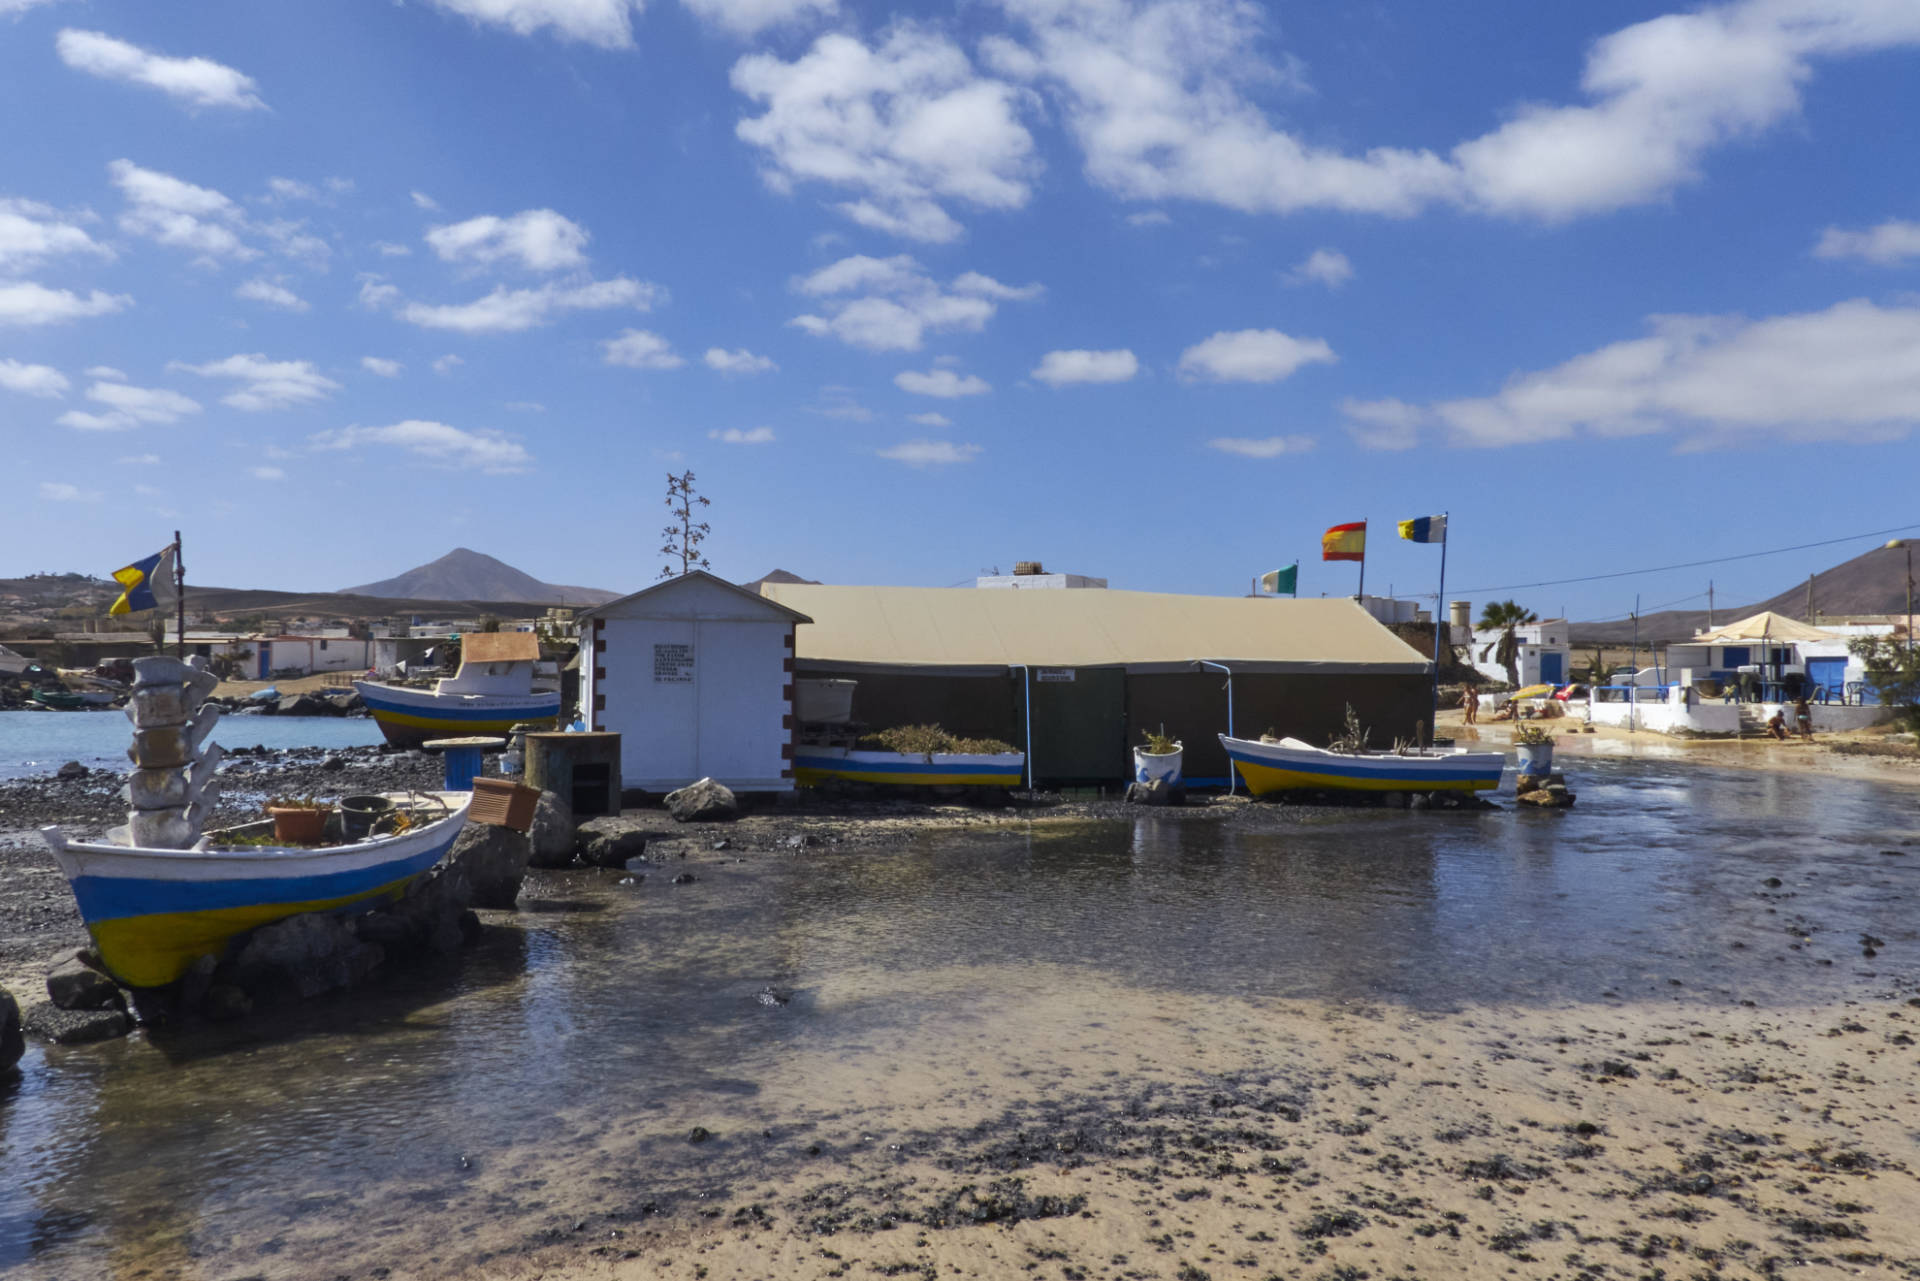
x: 1345, y: 542
x: 145, y: 582
x: 1424, y: 529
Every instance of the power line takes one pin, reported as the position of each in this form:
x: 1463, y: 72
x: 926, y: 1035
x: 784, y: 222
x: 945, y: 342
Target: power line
x: 1695, y: 564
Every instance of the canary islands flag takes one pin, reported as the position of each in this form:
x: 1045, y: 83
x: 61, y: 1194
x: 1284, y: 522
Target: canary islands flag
x: 145, y: 584
x: 1282, y: 582
x: 1345, y: 542
x: 1424, y: 529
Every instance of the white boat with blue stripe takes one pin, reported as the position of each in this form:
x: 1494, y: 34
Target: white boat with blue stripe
x: 1289, y: 765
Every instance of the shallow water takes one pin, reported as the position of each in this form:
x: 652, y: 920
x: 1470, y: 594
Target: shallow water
x: 556, y: 1070
x: 35, y: 743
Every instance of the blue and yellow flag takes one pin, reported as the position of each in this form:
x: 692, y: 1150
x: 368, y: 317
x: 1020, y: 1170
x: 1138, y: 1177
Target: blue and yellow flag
x: 143, y: 583
x: 1424, y: 529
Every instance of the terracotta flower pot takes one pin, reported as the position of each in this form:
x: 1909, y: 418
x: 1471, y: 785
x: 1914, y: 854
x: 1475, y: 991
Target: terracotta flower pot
x: 298, y: 826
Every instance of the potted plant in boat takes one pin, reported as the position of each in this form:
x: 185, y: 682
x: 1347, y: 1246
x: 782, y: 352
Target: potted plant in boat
x: 1535, y: 746
x: 298, y: 820
x: 1158, y: 758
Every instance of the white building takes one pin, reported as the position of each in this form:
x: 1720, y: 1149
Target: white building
x: 1544, y: 656
x: 1029, y: 575
x: 696, y: 676
x: 1771, y: 648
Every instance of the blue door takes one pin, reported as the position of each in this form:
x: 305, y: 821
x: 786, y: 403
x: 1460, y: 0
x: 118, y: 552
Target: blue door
x: 266, y: 651
x: 1553, y: 669
x: 1828, y: 672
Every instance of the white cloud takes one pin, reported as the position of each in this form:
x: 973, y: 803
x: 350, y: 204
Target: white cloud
x: 26, y: 303
x: 539, y: 239
x: 197, y: 82
x: 738, y: 361
x: 421, y: 200
x: 292, y: 239
x: 1384, y: 424
x: 943, y: 383
x: 1850, y: 372
x: 1887, y: 245
x: 14, y: 8
x: 904, y: 127
x: 930, y: 453
x: 734, y: 436
x: 382, y: 366
x: 487, y: 451
x: 1150, y: 218
x: 106, y: 371
x: 267, y: 473
x: 31, y: 233
x: 139, y: 460
x: 606, y: 23
x: 290, y: 189
x: 265, y: 384
x: 60, y: 492
x: 1328, y: 267
x: 930, y: 419
x: 1268, y: 447
x: 1252, y: 356
x: 1060, y: 368
x: 376, y: 292
x: 447, y: 364
x: 387, y: 249
x: 129, y: 406
x: 506, y: 311
x: 33, y: 380
x: 639, y: 349
x: 900, y: 302
x: 173, y: 212
x: 839, y: 402
x: 274, y: 295
x: 750, y: 17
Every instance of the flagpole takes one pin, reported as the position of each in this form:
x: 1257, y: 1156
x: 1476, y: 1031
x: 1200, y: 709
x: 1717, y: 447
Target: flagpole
x: 1439, y: 616
x: 1362, y: 595
x: 180, y: 598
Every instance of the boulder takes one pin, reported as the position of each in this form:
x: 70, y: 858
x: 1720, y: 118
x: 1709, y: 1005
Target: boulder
x: 702, y: 802
x: 345, y: 703
x: 302, y: 705
x: 551, y: 835
x: 13, y: 1043
x: 432, y: 917
x: 74, y: 984
x: 71, y: 771
x: 609, y: 842
x: 494, y: 861
x: 309, y: 954
x: 45, y: 1021
x: 1553, y: 796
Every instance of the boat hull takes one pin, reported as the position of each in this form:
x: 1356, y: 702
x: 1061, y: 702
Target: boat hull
x: 813, y: 766
x: 152, y: 913
x: 1273, y: 767
x: 409, y: 717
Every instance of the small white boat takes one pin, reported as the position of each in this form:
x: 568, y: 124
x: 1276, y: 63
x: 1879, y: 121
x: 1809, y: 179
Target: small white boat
x: 814, y: 765
x: 1290, y: 765
x: 490, y: 694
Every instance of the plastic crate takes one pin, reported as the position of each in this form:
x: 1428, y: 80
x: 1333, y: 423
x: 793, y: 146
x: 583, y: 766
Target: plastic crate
x: 501, y: 802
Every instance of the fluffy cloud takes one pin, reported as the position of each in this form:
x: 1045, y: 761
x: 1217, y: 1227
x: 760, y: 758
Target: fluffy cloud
x: 60, y: 492
x: 506, y: 311
x: 734, y: 436
x: 538, y: 239
x: 197, y: 82
x: 640, y: 349
x: 26, y: 303
x: 266, y: 384
x: 447, y: 364
x: 33, y: 380
x: 1849, y: 372
x: 381, y: 366
x: 930, y: 419
x: 1267, y: 447
x: 903, y: 127
x: 31, y: 233
x: 485, y: 451
x: 274, y: 295
x: 738, y: 361
x: 1328, y: 267
x: 173, y: 212
x: 943, y: 383
x: 1383, y: 424
x: 930, y: 453
x: 1888, y: 245
x: 421, y: 200
x: 1060, y: 368
x: 606, y: 23
x: 129, y: 406
x: 900, y: 303
x: 1252, y: 356
x: 267, y: 473
x: 750, y: 17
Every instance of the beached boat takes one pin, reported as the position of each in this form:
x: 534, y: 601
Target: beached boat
x: 814, y: 765
x: 490, y: 694
x: 59, y: 700
x: 153, y: 912
x: 1290, y: 765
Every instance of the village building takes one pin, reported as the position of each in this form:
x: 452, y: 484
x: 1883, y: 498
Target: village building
x: 1543, y: 655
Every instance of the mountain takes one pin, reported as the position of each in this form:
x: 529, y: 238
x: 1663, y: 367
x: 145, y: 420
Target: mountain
x: 468, y: 575
x: 778, y: 576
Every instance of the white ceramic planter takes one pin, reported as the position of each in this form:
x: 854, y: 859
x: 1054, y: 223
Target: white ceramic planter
x: 1536, y: 758
x: 1147, y: 766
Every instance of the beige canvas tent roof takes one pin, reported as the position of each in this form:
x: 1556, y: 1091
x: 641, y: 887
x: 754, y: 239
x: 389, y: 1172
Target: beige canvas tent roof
x: 1765, y: 625
x: 499, y: 647
x: 957, y: 628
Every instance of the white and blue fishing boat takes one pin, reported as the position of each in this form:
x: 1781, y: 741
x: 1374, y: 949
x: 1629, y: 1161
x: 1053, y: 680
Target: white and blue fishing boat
x: 490, y: 694
x: 1289, y: 765
x: 814, y: 765
x: 154, y: 912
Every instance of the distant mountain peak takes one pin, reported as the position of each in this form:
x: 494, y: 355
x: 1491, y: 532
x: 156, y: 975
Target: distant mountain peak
x: 465, y: 574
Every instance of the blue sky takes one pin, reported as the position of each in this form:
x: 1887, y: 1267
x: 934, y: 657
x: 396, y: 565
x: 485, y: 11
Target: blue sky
x: 1148, y: 289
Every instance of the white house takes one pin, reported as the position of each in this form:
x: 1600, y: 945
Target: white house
x: 696, y: 676
x: 1770, y: 647
x: 1544, y: 656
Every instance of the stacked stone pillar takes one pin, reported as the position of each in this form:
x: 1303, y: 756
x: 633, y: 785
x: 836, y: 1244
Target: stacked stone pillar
x: 171, y: 790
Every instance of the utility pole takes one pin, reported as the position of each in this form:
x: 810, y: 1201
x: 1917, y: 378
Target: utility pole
x: 1809, y: 599
x: 1709, y: 604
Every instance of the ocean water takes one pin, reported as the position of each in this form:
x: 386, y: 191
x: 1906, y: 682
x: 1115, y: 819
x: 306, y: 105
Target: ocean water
x: 34, y: 743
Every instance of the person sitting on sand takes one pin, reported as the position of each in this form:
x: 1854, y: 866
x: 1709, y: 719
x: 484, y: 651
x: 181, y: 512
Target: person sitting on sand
x: 1803, y: 718
x: 1777, y: 726
x: 1470, y: 701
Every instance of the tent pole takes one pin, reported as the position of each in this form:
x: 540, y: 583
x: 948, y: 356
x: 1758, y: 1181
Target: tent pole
x: 1439, y: 615
x: 180, y: 599
x: 1207, y: 662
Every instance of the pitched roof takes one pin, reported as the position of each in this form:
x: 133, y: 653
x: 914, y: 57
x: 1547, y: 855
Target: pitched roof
x: 1766, y: 625
x: 763, y: 604
x: 944, y: 627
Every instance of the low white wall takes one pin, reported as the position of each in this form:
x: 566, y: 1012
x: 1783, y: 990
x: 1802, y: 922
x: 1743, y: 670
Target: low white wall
x: 1829, y: 718
x: 1670, y: 718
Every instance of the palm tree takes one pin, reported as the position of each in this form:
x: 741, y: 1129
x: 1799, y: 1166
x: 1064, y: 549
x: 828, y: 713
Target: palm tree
x: 1509, y: 617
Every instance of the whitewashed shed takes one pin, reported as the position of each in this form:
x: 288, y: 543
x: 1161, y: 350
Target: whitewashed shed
x: 696, y: 676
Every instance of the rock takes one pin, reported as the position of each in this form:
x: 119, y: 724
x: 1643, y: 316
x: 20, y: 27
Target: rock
x: 1158, y: 792
x: 74, y: 984
x: 334, y: 764
x: 699, y: 1134
x: 552, y: 834
x: 345, y: 703
x: 1528, y: 783
x: 702, y: 802
x: 308, y: 954
x: 70, y: 771
x: 1551, y: 797
x: 798, y: 841
x: 685, y: 878
x: 45, y: 1021
x: 608, y: 842
x: 494, y: 860
x: 225, y: 1003
x: 13, y: 1043
x: 302, y: 705
x: 723, y: 844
